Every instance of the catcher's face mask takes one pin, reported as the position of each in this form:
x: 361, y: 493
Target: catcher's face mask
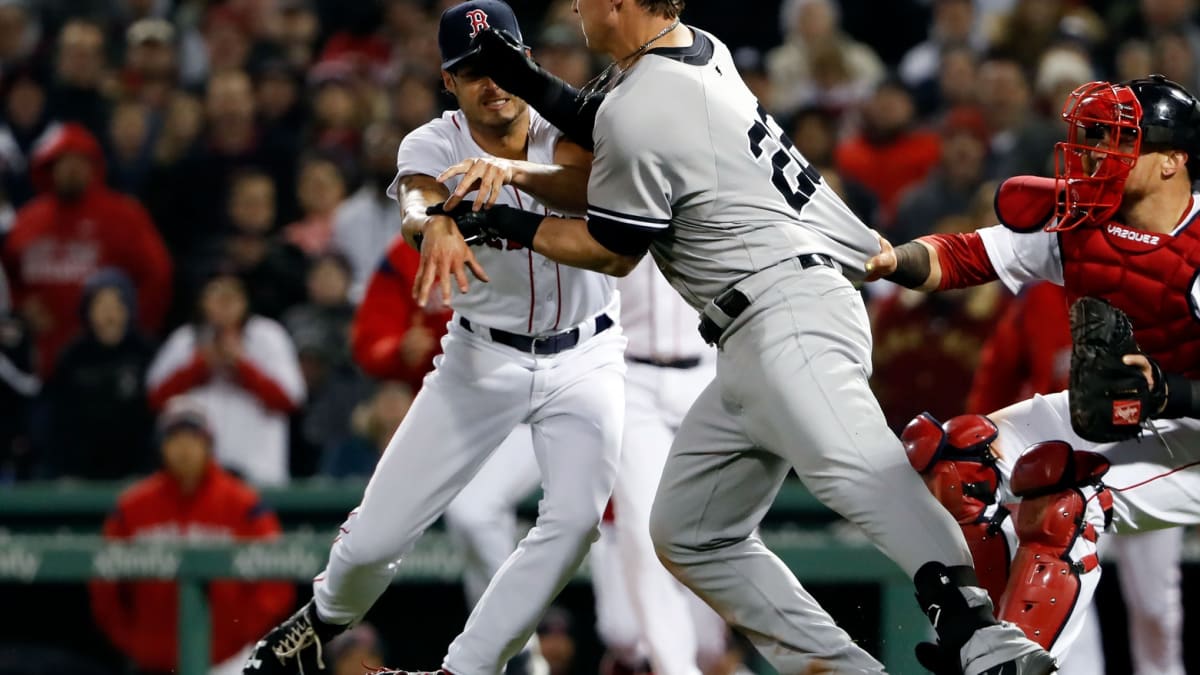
x: 1103, y: 142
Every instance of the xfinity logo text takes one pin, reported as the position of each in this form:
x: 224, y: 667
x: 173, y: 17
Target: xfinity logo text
x: 19, y: 563
x: 118, y: 561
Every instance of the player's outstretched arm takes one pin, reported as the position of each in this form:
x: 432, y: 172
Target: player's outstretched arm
x: 444, y: 252
x: 570, y: 242
x: 913, y: 265
x: 936, y: 262
x: 561, y: 186
x: 564, y: 240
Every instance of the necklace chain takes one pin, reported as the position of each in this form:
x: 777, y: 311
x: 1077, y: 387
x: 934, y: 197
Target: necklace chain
x: 645, y: 45
x: 608, y: 77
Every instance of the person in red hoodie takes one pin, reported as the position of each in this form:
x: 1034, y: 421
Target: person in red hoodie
x: 1028, y: 353
x: 392, y: 337
x: 192, y: 500
x: 73, y: 228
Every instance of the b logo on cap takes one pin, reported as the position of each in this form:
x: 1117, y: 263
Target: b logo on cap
x: 478, y: 19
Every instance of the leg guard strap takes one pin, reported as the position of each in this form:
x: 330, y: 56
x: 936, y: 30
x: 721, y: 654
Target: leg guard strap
x: 1063, y: 509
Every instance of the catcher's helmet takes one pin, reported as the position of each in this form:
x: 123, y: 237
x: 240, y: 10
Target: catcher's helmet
x: 1170, y: 117
x: 1109, y: 125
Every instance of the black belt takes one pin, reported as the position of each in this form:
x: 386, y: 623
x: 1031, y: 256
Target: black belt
x: 681, y: 364
x: 539, y: 344
x: 733, y: 302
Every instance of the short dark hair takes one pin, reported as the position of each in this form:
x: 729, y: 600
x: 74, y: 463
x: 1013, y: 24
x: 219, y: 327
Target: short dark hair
x: 668, y: 9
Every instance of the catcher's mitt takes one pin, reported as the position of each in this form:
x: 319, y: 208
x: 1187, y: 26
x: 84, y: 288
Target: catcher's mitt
x: 1109, y: 399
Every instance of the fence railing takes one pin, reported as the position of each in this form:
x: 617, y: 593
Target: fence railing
x: 816, y: 555
x: 76, y: 498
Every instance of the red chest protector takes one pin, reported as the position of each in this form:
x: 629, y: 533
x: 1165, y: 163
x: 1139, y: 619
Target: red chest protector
x: 1151, y: 277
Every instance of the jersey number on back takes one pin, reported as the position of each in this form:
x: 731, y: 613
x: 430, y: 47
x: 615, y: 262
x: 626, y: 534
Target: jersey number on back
x: 795, y: 178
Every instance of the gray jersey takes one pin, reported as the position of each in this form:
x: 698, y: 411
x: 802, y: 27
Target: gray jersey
x: 683, y: 147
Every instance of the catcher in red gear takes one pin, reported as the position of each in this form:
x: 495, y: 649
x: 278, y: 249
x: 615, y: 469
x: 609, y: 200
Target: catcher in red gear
x: 1119, y: 451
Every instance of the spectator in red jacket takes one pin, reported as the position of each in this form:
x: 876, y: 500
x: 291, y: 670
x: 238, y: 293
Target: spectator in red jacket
x: 1028, y: 353
x: 890, y: 154
x: 73, y: 228
x: 392, y: 337
x: 193, y: 500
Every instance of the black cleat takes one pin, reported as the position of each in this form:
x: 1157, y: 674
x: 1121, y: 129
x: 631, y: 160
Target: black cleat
x: 937, y: 660
x: 294, y: 647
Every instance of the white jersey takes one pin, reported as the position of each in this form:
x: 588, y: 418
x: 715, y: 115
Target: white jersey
x: 659, y: 325
x: 685, y: 150
x: 1021, y: 258
x: 528, y: 293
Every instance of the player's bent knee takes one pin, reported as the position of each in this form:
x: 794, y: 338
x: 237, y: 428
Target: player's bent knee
x: 665, y: 533
x: 956, y: 461
x: 1057, y: 530
x: 573, y: 522
x: 374, y: 553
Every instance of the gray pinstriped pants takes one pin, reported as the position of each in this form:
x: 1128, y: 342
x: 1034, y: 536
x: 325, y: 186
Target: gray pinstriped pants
x: 791, y: 392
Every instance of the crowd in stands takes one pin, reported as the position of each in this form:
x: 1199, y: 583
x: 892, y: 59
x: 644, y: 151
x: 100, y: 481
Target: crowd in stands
x: 193, y: 203
x: 194, y: 196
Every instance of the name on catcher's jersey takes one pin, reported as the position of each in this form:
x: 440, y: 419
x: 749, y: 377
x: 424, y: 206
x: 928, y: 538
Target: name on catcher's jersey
x: 683, y: 148
x: 528, y: 293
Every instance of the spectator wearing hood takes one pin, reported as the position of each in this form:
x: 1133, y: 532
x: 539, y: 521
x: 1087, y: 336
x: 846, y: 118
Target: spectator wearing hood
x: 100, y: 423
x: 243, y: 368
x: 191, y: 499
x: 73, y: 228
x: 18, y: 386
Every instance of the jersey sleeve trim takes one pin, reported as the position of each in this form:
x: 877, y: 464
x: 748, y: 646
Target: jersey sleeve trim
x: 622, y: 238
x: 603, y: 214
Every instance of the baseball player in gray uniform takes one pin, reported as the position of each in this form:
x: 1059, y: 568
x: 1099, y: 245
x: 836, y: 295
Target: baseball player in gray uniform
x: 537, y: 344
x: 689, y: 167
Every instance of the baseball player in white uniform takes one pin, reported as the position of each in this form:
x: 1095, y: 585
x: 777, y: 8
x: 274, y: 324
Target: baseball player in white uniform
x: 669, y: 365
x: 538, y: 344
x: 642, y: 611
x: 689, y: 166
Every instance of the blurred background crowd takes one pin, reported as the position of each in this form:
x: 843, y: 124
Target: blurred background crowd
x: 192, y: 197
